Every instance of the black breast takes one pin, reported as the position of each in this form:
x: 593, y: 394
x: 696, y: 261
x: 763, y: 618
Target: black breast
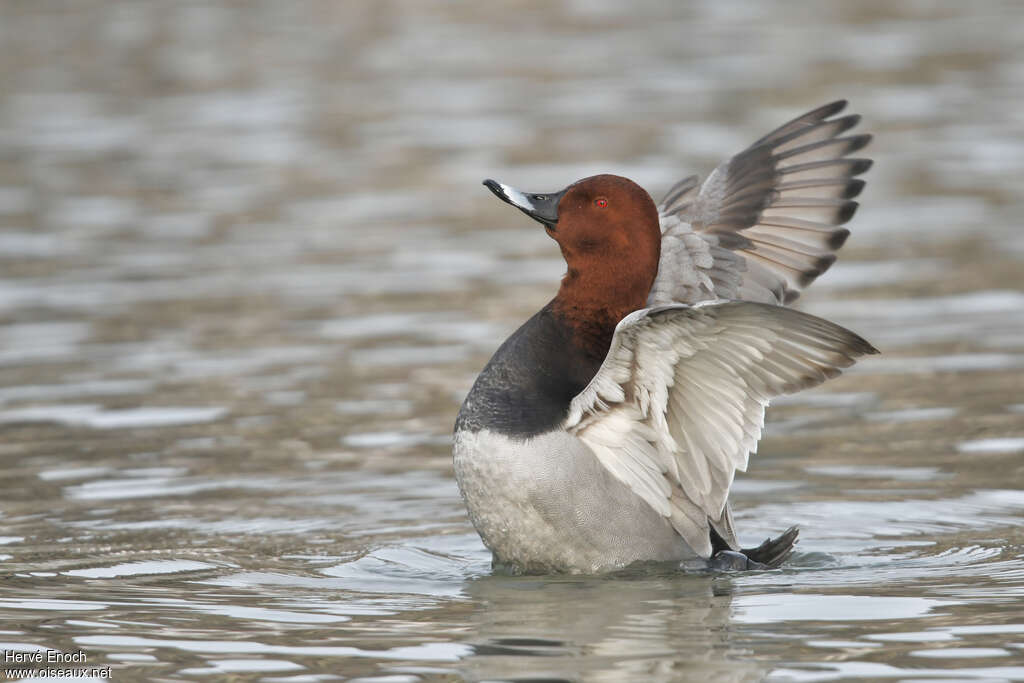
x: 527, y: 386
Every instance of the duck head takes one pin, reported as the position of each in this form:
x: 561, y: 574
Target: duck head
x: 608, y: 229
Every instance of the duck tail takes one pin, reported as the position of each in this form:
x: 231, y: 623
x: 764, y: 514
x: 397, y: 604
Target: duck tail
x: 774, y: 551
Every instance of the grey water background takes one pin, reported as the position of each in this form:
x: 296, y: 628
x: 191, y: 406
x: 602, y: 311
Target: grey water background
x: 247, y: 272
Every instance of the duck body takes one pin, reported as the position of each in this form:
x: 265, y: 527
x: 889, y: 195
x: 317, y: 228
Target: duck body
x: 607, y: 429
x: 545, y: 504
x: 536, y: 494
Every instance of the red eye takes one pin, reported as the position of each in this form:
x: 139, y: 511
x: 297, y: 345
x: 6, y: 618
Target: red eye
x: 601, y: 202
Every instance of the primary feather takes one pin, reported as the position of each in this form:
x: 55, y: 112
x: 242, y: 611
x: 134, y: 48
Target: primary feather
x: 766, y: 222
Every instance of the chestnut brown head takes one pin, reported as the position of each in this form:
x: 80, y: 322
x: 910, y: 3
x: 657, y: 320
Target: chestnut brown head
x: 608, y: 229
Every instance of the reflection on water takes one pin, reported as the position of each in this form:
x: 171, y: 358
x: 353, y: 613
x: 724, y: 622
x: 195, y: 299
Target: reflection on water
x: 247, y: 274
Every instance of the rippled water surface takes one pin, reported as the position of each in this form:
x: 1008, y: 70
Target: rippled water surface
x: 247, y: 272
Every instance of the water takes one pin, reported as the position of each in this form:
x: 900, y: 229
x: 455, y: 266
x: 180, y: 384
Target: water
x: 247, y: 273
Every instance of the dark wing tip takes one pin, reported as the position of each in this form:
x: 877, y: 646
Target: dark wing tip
x: 846, y: 212
x: 835, y: 107
x: 853, y: 188
x: 826, y: 110
x: 838, y: 238
x: 847, y: 122
x: 858, y: 345
x: 819, y: 267
x: 858, y: 142
x: 859, y: 166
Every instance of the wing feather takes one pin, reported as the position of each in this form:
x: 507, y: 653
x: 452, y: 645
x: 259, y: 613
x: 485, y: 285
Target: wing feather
x: 775, y: 208
x: 678, y: 404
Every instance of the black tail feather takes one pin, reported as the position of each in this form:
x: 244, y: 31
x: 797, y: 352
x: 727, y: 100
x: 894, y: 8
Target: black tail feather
x: 774, y: 551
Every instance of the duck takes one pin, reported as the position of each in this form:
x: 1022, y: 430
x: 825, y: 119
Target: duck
x: 606, y: 431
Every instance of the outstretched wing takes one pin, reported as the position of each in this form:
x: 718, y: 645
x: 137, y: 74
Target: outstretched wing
x: 678, y: 404
x: 766, y: 222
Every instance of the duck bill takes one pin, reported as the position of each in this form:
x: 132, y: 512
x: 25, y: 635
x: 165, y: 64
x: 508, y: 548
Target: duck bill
x: 541, y: 207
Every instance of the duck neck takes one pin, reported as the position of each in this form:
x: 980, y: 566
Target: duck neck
x: 592, y: 301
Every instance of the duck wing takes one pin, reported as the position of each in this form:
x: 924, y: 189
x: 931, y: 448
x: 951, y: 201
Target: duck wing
x: 766, y: 222
x: 678, y: 404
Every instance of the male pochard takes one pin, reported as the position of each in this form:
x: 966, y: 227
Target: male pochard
x: 607, y: 429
